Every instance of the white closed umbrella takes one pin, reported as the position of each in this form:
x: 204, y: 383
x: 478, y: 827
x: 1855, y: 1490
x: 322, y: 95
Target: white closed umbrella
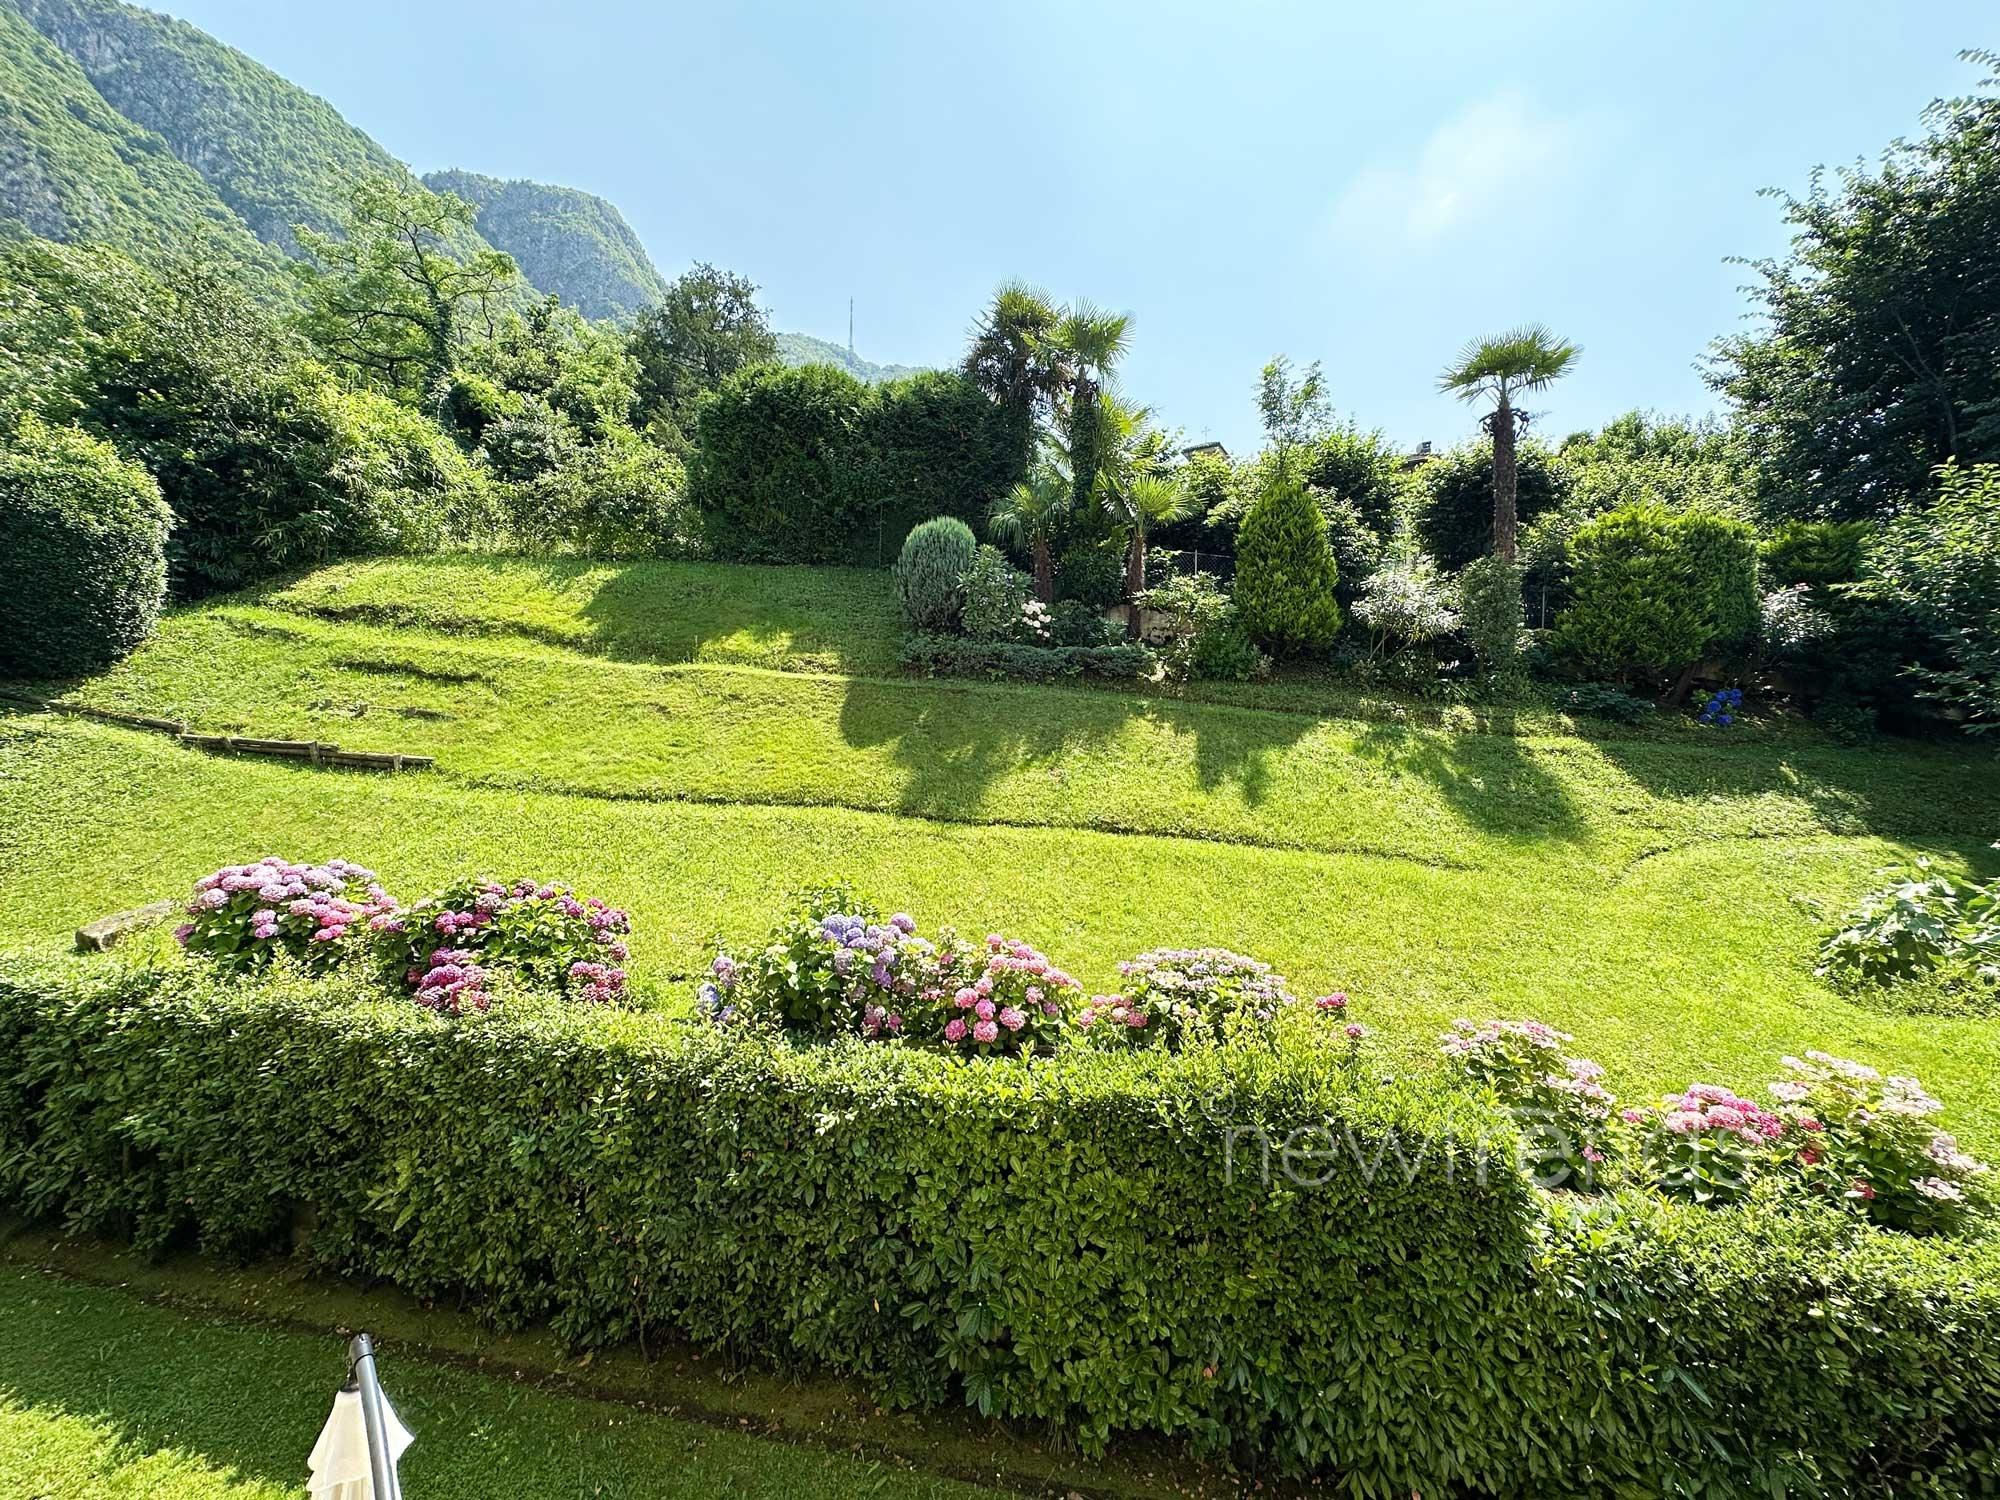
x: 362, y: 1442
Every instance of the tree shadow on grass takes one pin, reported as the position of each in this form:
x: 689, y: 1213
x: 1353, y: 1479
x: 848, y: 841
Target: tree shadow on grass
x: 955, y: 740
x: 1487, y: 778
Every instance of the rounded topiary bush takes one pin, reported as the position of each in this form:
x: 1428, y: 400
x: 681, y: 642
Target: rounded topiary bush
x: 1285, y: 572
x: 1722, y: 551
x: 930, y: 573
x: 83, y: 568
x: 1639, y: 605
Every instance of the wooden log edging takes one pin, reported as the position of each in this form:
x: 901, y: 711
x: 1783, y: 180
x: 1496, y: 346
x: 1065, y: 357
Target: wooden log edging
x: 318, y: 752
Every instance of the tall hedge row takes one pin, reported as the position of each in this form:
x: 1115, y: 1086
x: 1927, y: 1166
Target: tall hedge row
x: 1088, y: 1242
x: 810, y: 465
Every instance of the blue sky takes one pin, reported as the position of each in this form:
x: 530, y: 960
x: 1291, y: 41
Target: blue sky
x: 1368, y: 186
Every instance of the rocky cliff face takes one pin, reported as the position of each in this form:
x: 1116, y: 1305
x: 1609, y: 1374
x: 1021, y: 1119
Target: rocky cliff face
x: 567, y: 241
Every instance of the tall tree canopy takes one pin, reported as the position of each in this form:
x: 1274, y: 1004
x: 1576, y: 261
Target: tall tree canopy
x: 1878, y: 357
x: 388, y: 299
x: 706, y: 329
x: 1501, y: 370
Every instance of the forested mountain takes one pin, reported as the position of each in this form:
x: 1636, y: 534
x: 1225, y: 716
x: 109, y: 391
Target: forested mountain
x: 73, y: 168
x: 125, y: 126
x: 804, y: 349
x: 566, y: 241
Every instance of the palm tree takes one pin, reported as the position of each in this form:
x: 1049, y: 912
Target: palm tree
x: 1030, y: 516
x: 1133, y: 484
x: 1527, y: 359
x: 1091, y: 343
x: 1015, y: 358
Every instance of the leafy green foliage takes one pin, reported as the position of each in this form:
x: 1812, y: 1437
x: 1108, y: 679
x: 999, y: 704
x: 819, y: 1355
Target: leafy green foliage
x: 83, y: 567
x: 930, y: 573
x: 810, y: 465
x: 1940, y: 569
x: 1654, y: 592
x: 1452, y: 502
x: 569, y: 244
x: 1286, y: 574
x: 1090, y: 575
x: 1879, y: 354
x: 1814, y: 553
x: 549, y: 353
x: 621, y: 498
x: 960, y: 656
x: 1489, y: 603
x: 724, y: 1182
x: 1923, y: 921
x: 706, y: 326
x: 387, y: 299
x: 997, y: 599
x: 1204, y: 638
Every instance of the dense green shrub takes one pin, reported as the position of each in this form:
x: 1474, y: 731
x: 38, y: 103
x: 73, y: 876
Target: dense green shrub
x: 1815, y: 553
x: 1104, y: 1242
x: 930, y: 573
x: 1489, y: 605
x: 620, y: 498
x: 1653, y: 591
x: 956, y: 656
x: 1285, y: 573
x: 999, y: 601
x: 1722, y: 551
x: 1091, y: 575
x: 1452, y: 498
x: 528, y: 442
x: 1939, y: 569
x: 778, y: 464
x: 810, y: 465
x: 83, y: 566
x: 1074, y: 623
x: 1203, y: 638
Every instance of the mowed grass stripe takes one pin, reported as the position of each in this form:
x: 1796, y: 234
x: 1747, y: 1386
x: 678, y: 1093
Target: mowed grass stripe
x: 1698, y: 966
x: 968, y: 752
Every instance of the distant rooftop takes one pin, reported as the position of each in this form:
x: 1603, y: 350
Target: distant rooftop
x: 1214, y: 448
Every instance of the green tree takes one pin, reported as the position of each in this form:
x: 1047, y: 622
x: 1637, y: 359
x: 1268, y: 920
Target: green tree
x: 1091, y: 343
x: 706, y: 328
x: 553, y: 354
x: 1031, y: 516
x: 1501, y: 370
x: 388, y: 300
x: 1294, y: 411
x: 1285, y: 572
x: 1016, y: 359
x: 1878, y: 357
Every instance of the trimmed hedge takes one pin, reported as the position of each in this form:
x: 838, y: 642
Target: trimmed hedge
x: 809, y: 465
x: 1059, y: 1242
x: 961, y: 656
x: 83, y: 563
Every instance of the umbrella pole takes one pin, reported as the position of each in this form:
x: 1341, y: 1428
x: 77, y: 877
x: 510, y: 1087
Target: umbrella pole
x: 381, y: 1463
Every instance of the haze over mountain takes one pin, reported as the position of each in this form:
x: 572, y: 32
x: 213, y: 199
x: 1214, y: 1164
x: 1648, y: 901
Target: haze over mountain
x: 128, y: 127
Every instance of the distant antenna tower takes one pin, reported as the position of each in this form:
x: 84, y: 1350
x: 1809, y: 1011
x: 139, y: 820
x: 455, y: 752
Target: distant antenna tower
x: 850, y: 328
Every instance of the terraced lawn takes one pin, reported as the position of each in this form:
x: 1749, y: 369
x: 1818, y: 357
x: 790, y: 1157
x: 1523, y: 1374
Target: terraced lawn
x: 1636, y: 889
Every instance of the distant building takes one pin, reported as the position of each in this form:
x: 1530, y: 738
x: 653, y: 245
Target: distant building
x: 1421, y: 456
x: 1215, y: 450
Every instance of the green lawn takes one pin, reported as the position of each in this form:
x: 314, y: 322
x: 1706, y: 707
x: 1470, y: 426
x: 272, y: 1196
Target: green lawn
x: 1636, y: 889
x: 104, y: 1396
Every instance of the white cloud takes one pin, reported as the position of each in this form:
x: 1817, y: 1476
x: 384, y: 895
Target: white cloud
x: 1468, y: 172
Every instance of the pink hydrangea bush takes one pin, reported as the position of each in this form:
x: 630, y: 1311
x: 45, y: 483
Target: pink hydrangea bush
x: 1174, y: 997
x: 834, y: 966
x: 1706, y: 1143
x: 448, y: 948
x: 1558, y: 1101
x: 1873, y: 1144
x: 243, y: 916
x: 1009, y: 1000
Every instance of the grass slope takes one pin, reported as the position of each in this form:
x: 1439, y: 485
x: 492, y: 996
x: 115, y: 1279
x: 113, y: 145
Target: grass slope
x: 104, y: 1396
x: 1637, y: 891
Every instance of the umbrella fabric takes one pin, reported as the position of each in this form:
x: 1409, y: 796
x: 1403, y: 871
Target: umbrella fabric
x: 339, y: 1460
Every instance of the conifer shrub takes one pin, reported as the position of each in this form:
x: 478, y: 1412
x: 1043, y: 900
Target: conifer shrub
x: 930, y: 573
x: 1285, y: 573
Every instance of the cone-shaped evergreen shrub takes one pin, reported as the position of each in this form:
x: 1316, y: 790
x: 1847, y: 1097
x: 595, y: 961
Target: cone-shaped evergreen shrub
x: 1285, y: 572
x: 83, y: 567
x: 1640, y: 606
x: 930, y: 573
